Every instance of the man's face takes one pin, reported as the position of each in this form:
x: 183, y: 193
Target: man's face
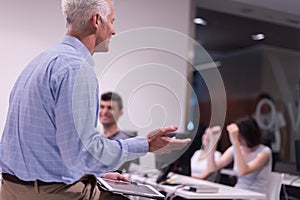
x: 109, y: 112
x: 106, y: 31
x: 265, y: 109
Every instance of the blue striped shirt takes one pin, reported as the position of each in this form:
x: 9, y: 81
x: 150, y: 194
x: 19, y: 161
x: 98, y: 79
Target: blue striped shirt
x: 50, y: 133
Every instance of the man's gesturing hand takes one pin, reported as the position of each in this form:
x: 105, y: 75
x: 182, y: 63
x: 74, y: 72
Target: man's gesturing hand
x: 160, y: 143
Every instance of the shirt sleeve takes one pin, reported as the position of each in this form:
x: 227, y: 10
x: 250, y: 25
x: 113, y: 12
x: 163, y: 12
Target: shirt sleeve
x: 267, y: 150
x: 81, y: 146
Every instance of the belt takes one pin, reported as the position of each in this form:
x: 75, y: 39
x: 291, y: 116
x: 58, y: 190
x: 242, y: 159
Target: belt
x: 14, y: 179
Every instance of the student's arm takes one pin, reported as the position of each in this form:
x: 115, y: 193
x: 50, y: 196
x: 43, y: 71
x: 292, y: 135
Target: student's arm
x: 214, y: 165
x: 244, y: 168
x: 256, y: 163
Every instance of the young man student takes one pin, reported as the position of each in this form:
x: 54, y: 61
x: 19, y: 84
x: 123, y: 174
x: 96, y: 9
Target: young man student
x: 110, y: 110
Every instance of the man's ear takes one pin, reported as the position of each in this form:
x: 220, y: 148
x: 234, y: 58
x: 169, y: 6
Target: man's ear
x: 97, y: 20
x: 100, y: 21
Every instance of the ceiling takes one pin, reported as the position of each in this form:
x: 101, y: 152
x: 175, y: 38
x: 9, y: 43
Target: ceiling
x: 230, y: 24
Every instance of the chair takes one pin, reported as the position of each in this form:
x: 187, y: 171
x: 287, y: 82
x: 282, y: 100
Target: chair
x: 274, y: 186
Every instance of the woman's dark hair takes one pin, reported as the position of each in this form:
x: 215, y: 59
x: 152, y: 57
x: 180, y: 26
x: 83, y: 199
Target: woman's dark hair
x: 249, y: 130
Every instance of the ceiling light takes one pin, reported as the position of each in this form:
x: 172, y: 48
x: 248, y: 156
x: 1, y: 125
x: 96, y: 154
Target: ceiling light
x: 259, y: 36
x: 200, y: 21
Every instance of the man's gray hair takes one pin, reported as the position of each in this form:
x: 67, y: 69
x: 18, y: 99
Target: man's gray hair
x: 78, y: 12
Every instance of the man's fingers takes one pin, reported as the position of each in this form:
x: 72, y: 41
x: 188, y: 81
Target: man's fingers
x: 168, y: 129
x: 179, y: 143
x: 123, y: 178
x: 162, y: 131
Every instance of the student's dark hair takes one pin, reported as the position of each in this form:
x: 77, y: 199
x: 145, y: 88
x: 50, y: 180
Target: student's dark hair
x: 264, y: 95
x: 249, y: 130
x: 114, y: 97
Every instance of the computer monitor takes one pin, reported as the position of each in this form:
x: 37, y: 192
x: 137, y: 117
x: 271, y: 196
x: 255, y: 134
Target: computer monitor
x: 182, y: 165
x: 297, y: 154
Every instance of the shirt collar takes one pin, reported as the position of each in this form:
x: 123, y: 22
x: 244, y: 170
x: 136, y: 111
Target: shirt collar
x: 80, y: 47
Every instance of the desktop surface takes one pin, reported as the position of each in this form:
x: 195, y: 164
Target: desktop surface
x: 179, y: 189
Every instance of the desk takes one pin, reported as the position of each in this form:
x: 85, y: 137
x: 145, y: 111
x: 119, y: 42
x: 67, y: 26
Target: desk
x: 225, y: 192
x: 291, y: 175
x: 288, y: 179
x: 291, y: 180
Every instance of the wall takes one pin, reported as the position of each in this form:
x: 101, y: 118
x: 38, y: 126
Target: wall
x: 145, y: 69
x: 136, y: 72
x: 248, y: 72
x: 26, y: 29
x: 152, y: 97
x: 281, y: 72
x: 241, y: 73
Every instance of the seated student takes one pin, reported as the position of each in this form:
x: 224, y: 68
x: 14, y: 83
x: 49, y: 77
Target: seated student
x: 111, y: 109
x: 252, y: 160
x: 271, y: 121
x: 199, y: 161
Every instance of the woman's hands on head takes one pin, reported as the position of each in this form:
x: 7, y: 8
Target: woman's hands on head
x: 233, y: 131
x: 210, y: 139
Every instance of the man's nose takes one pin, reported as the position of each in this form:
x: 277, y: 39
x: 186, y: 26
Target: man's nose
x: 103, y: 109
x: 113, y: 32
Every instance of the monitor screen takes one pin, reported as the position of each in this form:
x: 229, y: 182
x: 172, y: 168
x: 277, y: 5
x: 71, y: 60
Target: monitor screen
x: 297, y: 154
x: 182, y: 165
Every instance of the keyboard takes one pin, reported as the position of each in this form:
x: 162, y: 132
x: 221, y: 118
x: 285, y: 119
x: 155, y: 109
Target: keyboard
x: 289, y: 179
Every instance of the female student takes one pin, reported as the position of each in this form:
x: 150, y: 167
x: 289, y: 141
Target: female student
x: 252, y: 160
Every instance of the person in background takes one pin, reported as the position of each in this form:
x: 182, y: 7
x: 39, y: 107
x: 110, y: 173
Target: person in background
x: 199, y: 160
x: 50, y: 146
x: 272, y: 125
x: 252, y: 160
x: 111, y: 109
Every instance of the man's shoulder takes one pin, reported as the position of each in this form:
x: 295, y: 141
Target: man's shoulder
x: 60, y: 59
x: 124, y: 134
x: 129, y: 133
